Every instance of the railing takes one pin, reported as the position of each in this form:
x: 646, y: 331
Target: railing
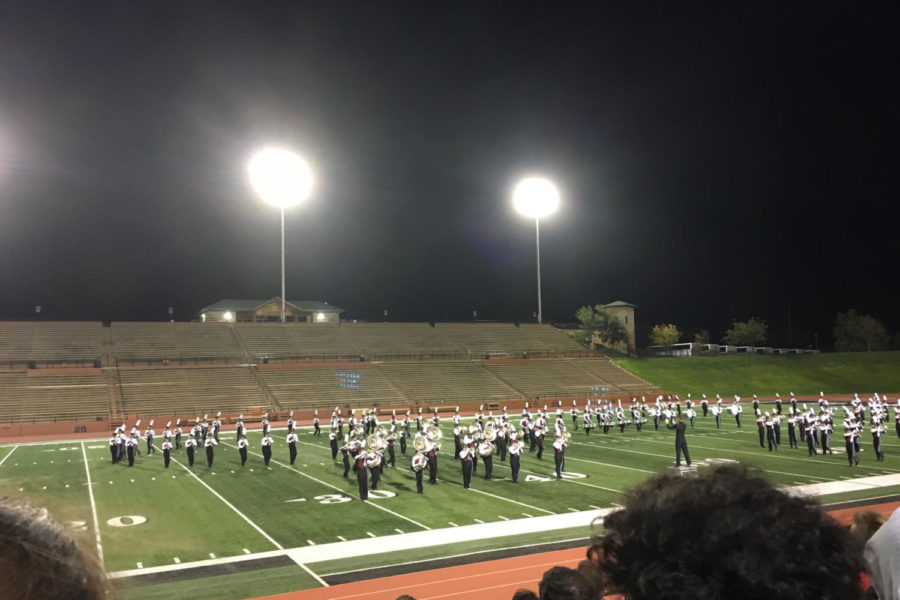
x: 192, y: 361
x: 33, y: 363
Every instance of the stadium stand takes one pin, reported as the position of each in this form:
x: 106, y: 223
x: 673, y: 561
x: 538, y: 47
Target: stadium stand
x: 295, y: 340
x: 450, y: 381
x: 23, y: 342
x: 379, y: 339
x: 190, y: 391
x: 506, y: 338
x: 31, y: 397
x: 174, y: 342
x: 615, y: 377
x: 547, y: 378
x: 355, y: 386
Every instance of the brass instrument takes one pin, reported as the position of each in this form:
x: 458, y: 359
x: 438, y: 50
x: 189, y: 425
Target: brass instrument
x: 360, y: 431
x: 485, y: 448
x: 566, y: 436
x: 490, y: 432
x: 434, y: 435
x: 373, y: 460
x: 380, y: 431
x: 419, y: 462
x: 420, y: 443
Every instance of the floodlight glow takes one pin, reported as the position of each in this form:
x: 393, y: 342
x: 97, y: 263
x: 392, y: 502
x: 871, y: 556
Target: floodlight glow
x: 280, y: 177
x: 320, y: 316
x: 229, y: 316
x: 535, y: 197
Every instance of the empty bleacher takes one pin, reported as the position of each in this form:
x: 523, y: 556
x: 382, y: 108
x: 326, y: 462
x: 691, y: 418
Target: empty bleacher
x: 448, y: 381
x: 379, y: 339
x: 546, y: 378
x: 190, y: 392
x: 615, y: 377
x: 345, y: 386
x: 31, y: 397
x: 480, y: 339
x: 174, y: 342
x: 22, y: 342
x: 294, y: 340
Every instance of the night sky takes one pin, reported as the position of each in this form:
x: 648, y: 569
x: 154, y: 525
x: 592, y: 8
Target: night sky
x: 716, y: 160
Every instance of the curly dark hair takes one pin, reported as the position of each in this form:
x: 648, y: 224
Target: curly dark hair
x: 729, y: 535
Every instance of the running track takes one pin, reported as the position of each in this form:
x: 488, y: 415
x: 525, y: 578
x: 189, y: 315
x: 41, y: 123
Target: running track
x: 491, y: 580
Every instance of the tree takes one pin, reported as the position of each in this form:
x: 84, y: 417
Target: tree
x: 664, y: 335
x: 598, y: 320
x: 854, y: 333
x: 701, y: 337
x: 746, y: 333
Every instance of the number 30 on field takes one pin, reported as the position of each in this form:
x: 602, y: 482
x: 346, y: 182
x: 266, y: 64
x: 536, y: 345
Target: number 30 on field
x: 338, y: 498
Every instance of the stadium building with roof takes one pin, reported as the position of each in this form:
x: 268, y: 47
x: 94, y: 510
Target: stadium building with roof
x: 265, y: 311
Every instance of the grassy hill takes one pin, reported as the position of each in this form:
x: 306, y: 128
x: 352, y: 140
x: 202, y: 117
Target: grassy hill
x: 843, y: 373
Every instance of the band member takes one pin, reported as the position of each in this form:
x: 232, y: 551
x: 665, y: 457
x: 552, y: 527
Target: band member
x: 515, y: 451
x: 195, y: 430
x: 242, y: 449
x: 190, y: 445
x: 267, y: 448
x: 390, y: 449
x: 419, y: 420
x: 486, y: 451
x: 825, y: 431
x: 373, y: 462
x: 432, y: 463
x: 680, y: 442
x: 792, y: 430
x: 316, y: 429
x: 167, y: 432
x: 736, y: 410
x: 240, y: 427
x: 290, y: 422
x: 131, y: 449
x: 810, y: 436
x: 332, y: 439
x: 292, y: 445
x: 403, y: 435
x: 418, y: 465
x: 691, y: 415
x: 167, y: 452
x: 345, y: 455
x: 204, y: 427
x: 717, y: 413
x: 436, y: 419
x: 777, y: 404
x: 210, y: 450
x: 704, y: 404
x: 216, y: 426
x: 114, y: 448
x: 136, y: 434
x: 539, y: 438
x: 877, y: 434
x: 849, y: 446
x: 265, y: 424
x: 559, y: 453
x: 150, y: 434
x: 362, y: 476
x: 770, y: 433
x: 501, y: 443
x: 574, y: 413
x: 406, y: 423
x: 178, y: 433
x: 587, y: 421
x: 457, y: 444
x: 761, y: 427
x: 465, y: 457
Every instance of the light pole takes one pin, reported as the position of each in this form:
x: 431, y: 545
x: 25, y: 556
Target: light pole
x: 282, y: 179
x: 536, y: 197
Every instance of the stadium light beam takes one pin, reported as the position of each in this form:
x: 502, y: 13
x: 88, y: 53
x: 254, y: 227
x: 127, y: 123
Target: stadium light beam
x: 282, y: 179
x: 536, y: 197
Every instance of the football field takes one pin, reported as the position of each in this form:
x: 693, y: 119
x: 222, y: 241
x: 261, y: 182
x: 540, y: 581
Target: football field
x: 303, y: 524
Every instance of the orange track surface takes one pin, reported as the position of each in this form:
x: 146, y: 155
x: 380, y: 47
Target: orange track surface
x: 491, y: 580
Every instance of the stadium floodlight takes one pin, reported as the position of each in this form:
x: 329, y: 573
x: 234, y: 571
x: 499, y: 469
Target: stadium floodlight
x: 282, y: 179
x: 536, y: 197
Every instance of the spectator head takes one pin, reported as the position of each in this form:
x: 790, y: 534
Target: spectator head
x: 882, y: 557
x: 728, y: 534
x: 562, y: 583
x: 866, y: 523
x: 525, y: 595
x: 39, y: 558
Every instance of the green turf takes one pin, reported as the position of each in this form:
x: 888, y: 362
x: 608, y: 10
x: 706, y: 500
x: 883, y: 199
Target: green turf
x: 805, y: 374
x: 190, y: 517
x: 250, y: 584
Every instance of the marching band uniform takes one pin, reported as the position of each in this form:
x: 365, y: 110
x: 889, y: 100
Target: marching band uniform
x: 770, y: 433
x: 210, y: 450
x: 574, y: 412
x: 825, y: 434
x: 167, y: 452
x: 680, y: 443
x: 189, y: 445
x: 849, y: 446
x: 501, y: 443
x: 810, y: 437
x: 242, y: 449
x: 736, y: 411
x: 466, y: 461
x: 432, y: 464
x: 559, y: 449
x: 332, y: 439
x: 488, y: 459
x: 292, y: 446
x: 761, y: 427
x: 240, y: 428
x: 418, y: 466
x: 539, y: 436
x: 587, y: 422
x: 515, y: 450
x: 267, y: 449
x: 290, y: 423
x: 113, y: 449
x: 776, y: 428
x: 149, y: 434
x: 316, y: 429
x: 362, y: 476
x: 390, y: 449
x: 204, y: 428
x: 404, y: 433
x: 691, y: 415
x: 777, y: 404
x: 457, y: 445
x: 371, y: 457
x: 704, y: 404
x: 216, y: 425
x: 792, y: 431
x: 265, y: 425
x: 345, y: 454
x: 178, y: 433
x: 130, y: 446
x: 877, y: 433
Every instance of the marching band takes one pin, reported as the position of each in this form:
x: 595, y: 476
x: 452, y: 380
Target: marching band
x: 369, y: 447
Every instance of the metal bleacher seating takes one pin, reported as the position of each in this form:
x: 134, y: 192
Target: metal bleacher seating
x: 31, y: 397
x: 22, y: 342
x: 345, y: 386
x: 174, y: 342
x: 450, y: 381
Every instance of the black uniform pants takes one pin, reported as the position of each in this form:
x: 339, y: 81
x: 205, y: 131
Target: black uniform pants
x: 376, y: 476
x: 167, y: 456
x: 334, y: 449
x: 419, y: 477
x: 762, y: 443
x: 488, y: 466
x: 190, y: 455
x: 210, y: 453
x: 362, y: 479
x: 501, y: 448
x: 514, y: 464
x: 558, y: 458
x: 810, y: 444
x: 243, y: 453
x: 851, y: 452
x: 267, y: 454
x: 679, y: 448
x: 391, y: 458
x: 770, y: 439
x: 432, y: 468
x: 346, y: 465
x: 792, y: 437
x: 130, y: 456
x: 467, y: 472
x: 540, y: 445
x: 292, y: 448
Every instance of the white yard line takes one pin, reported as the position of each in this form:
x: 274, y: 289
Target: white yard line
x: 314, y: 576
x: 594, y: 462
x: 549, y: 512
x: 8, y: 455
x: 90, y: 488
x: 334, y: 487
x: 229, y: 505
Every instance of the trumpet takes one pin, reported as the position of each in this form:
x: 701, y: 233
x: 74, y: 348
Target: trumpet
x: 565, y: 437
x: 360, y: 431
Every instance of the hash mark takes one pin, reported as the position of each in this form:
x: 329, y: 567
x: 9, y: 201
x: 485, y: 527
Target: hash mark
x: 370, y: 534
x: 177, y: 560
x: 452, y: 523
x: 246, y: 551
x: 527, y: 515
x: 211, y: 555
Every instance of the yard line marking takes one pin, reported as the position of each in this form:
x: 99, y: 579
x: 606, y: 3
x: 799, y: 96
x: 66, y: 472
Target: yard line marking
x: 310, y: 542
x: 502, y: 518
x: 398, y: 530
x: 229, y: 505
x: 594, y: 462
x: 176, y: 560
x: 592, y: 506
x: 527, y: 515
x: 453, y: 524
x: 334, y: 487
x: 8, y: 455
x: 479, y: 521
x: 90, y: 488
x: 140, y: 565
x: 370, y: 534
x: 549, y: 512
x: 246, y: 551
x: 573, y: 509
x: 316, y: 577
x: 211, y: 555
x: 342, y: 538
